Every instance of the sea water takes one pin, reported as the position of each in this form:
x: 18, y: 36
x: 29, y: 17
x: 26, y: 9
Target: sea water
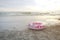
x: 19, y: 21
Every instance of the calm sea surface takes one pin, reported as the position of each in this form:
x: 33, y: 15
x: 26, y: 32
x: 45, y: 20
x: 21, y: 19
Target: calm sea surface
x: 19, y: 22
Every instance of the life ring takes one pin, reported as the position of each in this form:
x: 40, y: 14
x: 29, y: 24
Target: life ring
x: 36, y: 25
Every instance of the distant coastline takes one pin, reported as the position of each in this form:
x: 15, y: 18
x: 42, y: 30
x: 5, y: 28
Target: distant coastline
x: 27, y: 14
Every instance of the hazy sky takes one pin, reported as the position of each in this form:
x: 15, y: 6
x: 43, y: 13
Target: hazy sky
x: 29, y: 5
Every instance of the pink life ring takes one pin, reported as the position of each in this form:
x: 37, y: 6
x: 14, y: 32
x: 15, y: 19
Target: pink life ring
x: 36, y: 25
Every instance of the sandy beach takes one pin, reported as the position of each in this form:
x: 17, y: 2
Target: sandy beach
x: 15, y: 28
x: 51, y: 33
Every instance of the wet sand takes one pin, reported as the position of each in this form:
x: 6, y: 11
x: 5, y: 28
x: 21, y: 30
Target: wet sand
x: 14, y: 28
x: 51, y: 33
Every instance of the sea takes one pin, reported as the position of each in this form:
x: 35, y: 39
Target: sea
x: 20, y: 20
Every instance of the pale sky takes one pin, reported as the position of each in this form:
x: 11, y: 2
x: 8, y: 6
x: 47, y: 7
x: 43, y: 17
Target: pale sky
x: 29, y: 5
